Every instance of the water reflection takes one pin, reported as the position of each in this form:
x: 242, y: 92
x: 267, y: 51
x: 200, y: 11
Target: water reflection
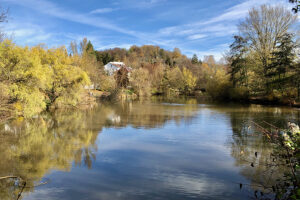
x: 253, y: 151
x: 163, y: 148
x: 32, y: 148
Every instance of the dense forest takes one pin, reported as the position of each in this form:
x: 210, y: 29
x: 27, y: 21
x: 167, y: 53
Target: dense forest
x: 262, y: 64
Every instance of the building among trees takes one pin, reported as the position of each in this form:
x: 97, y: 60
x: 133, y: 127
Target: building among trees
x: 111, y: 67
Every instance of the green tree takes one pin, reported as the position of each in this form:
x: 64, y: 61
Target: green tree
x: 282, y: 60
x: 238, y: 61
x: 195, y: 59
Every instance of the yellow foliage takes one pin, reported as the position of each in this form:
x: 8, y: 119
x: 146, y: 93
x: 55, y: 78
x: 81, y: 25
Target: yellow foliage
x: 175, y: 79
x: 218, y: 85
x: 189, y: 79
x: 140, y: 81
x: 33, y: 76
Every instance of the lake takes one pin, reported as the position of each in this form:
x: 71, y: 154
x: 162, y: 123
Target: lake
x: 149, y: 149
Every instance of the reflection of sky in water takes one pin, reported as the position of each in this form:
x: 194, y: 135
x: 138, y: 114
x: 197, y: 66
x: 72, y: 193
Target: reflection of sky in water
x: 186, y: 159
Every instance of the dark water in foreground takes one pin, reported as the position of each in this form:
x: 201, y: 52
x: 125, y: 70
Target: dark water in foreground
x: 179, y: 149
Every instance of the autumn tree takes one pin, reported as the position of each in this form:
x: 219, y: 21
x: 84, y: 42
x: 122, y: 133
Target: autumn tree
x: 140, y: 81
x: 36, y: 78
x: 210, y: 60
x: 176, y: 53
x: 88, y: 60
x: 189, y: 81
x: 121, y: 77
x: 263, y: 27
x: 175, y: 79
x: 73, y: 48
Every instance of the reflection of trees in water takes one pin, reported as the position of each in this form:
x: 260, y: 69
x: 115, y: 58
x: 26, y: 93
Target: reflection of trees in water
x: 32, y: 148
x: 151, y: 115
x: 246, y: 140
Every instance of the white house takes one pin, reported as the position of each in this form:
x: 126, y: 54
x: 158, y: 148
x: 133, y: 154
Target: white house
x: 112, y: 67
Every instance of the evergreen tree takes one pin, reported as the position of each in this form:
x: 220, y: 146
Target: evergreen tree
x: 195, y: 59
x: 282, y: 60
x: 238, y: 68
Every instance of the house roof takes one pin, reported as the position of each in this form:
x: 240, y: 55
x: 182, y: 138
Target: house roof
x: 120, y: 65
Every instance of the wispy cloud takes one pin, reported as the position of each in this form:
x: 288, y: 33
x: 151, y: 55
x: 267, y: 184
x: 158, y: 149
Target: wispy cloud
x: 111, y: 46
x: 195, y: 33
x: 196, y: 36
x: 142, y: 4
x: 51, y: 9
x: 102, y: 10
x: 230, y: 15
x: 28, y: 33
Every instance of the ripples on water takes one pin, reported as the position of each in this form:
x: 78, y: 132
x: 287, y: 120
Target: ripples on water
x: 170, y: 149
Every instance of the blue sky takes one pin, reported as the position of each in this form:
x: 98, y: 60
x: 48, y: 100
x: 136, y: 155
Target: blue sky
x: 195, y: 26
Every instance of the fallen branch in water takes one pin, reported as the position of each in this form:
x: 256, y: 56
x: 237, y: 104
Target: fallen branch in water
x: 6, y: 177
x: 271, y: 125
x: 263, y: 130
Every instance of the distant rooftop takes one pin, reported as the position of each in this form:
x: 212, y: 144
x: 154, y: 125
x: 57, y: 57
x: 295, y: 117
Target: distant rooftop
x: 117, y: 63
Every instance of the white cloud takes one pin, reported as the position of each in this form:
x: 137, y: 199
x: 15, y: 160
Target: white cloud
x: 111, y: 46
x: 51, y: 9
x: 102, y: 10
x: 222, y: 25
x: 196, y: 185
x: 144, y: 4
x: 196, y: 36
x: 230, y: 15
x: 27, y: 32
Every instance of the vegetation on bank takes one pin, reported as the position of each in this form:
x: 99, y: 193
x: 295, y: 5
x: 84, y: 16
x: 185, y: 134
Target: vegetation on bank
x: 34, y: 79
x: 285, y: 158
x: 263, y: 63
x: 264, y: 58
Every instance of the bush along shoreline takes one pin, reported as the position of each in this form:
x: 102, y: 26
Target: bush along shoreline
x: 285, y: 158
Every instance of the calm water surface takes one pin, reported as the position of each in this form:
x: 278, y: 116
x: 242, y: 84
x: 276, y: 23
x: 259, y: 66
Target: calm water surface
x: 154, y: 149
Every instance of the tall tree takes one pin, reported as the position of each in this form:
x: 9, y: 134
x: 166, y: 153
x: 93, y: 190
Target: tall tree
x: 263, y: 27
x: 238, y: 61
x: 210, y: 60
x: 283, y: 57
x: 89, y: 61
x: 74, y: 48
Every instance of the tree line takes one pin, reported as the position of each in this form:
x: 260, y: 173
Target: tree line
x: 263, y: 62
